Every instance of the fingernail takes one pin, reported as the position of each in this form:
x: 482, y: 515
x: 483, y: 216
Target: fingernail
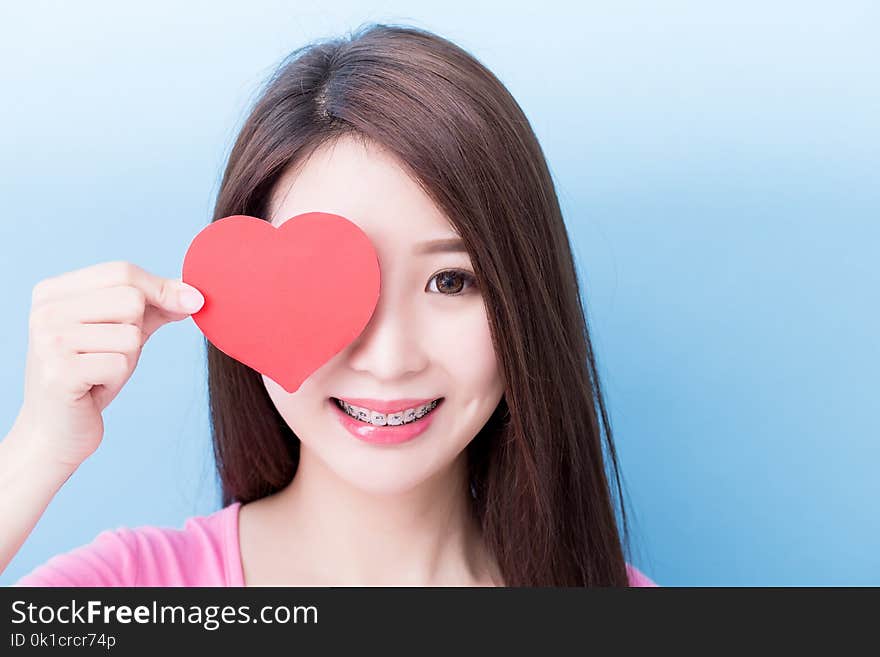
x: 190, y: 298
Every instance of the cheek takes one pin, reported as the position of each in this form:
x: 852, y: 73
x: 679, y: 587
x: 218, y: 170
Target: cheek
x: 280, y: 397
x: 462, y: 344
x: 291, y: 407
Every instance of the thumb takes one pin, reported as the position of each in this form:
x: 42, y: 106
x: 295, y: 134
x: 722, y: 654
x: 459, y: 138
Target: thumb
x: 189, y: 299
x: 169, y: 295
x: 178, y: 295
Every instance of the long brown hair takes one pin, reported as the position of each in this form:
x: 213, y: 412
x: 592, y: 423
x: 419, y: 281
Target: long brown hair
x: 538, y: 474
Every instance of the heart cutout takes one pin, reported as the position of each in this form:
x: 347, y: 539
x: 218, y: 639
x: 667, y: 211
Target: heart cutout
x: 283, y: 300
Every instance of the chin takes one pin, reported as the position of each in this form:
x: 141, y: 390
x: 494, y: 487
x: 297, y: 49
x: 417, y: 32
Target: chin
x: 386, y: 473
x: 383, y: 483
x: 385, y: 488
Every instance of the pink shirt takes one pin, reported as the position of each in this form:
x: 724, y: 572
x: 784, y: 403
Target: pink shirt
x: 204, y: 553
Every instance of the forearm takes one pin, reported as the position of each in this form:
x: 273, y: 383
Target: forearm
x: 28, y: 482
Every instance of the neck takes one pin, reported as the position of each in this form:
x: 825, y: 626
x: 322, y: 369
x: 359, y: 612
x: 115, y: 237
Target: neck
x: 344, y: 536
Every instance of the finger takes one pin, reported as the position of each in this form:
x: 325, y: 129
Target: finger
x: 108, y: 369
x: 105, y: 338
x: 74, y: 283
x: 160, y: 292
x: 155, y: 318
x: 119, y: 305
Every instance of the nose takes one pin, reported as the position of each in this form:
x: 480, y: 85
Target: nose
x: 390, y: 346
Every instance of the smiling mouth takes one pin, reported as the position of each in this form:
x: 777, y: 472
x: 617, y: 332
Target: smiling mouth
x: 400, y: 418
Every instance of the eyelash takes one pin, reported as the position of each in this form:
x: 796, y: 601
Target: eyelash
x: 470, y: 282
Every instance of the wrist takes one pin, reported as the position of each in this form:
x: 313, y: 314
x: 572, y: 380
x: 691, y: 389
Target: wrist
x: 33, y: 456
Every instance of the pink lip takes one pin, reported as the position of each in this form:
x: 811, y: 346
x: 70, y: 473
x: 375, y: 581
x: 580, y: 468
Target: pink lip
x: 390, y: 406
x: 383, y: 435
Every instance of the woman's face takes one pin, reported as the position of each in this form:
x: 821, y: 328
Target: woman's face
x: 428, y: 337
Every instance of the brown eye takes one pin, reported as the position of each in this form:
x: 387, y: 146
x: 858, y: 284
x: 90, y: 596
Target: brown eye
x: 451, y: 282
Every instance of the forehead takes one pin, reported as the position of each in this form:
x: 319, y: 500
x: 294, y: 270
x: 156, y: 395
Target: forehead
x: 365, y: 184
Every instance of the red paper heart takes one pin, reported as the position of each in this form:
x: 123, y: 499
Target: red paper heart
x: 285, y: 300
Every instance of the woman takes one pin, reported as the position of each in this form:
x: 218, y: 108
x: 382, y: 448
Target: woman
x: 478, y: 350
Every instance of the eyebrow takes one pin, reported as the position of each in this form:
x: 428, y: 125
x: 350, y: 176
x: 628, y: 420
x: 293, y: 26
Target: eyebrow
x: 449, y: 245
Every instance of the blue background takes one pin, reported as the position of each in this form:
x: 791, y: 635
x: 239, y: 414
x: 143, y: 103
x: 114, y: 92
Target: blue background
x: 718, y: 167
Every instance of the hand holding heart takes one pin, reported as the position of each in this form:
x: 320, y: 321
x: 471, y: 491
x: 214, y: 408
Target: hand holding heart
x: 280, y: 300
x: 284, y: 300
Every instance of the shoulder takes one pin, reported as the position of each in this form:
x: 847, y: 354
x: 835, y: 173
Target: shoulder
x: 202, y: 553
x: 638, y: 578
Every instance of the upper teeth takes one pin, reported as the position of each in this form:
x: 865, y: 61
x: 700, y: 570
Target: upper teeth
x: 381, y: 419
